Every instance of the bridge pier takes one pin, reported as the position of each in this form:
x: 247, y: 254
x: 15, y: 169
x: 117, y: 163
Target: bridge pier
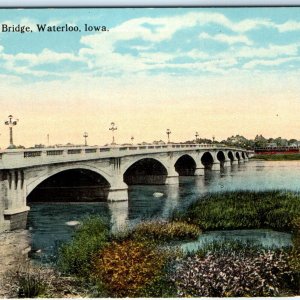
x: 199, y: 172
x: 118, y: 190
x: 234, y: 162
x: 216, y: 166
x: 227, y: 163
x: 172, y: 180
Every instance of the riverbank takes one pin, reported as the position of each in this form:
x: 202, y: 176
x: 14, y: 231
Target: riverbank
x: 143, y: 261
x: 277, y: 157
x: 14, y: 248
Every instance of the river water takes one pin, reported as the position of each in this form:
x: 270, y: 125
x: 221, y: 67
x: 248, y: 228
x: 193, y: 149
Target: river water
x: 48, y: 222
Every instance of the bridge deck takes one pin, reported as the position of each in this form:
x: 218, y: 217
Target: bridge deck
x: 20, y: 158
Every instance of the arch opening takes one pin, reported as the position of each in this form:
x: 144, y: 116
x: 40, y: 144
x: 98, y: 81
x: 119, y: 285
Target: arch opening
x: 207, y: 160
x: 243, y: 155
x: 75, y: 185
x: 185, y: 166
x: 146, y: 171
x: 230, y: 156
x: 221, y: 156
x: 237, y: 155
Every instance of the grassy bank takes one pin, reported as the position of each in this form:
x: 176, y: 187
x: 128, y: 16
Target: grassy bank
x: 278, y: 157
x: 243, y: 210
x: 143, y: 261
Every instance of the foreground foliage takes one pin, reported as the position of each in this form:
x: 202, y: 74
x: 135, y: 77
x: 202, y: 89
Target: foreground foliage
x: 243, y: 209
x: 163, y: 231
x: 31, y: 282
x: 128, y: 267
x: 90, y: 237
x: 139, y: 262
x: 234, y: 274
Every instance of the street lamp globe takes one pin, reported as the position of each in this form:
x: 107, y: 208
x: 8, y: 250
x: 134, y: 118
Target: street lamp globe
x: 113, y: 128
x: 11, y: 122
x: 168, y: 134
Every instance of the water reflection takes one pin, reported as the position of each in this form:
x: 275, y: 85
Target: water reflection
x: 118, y: 214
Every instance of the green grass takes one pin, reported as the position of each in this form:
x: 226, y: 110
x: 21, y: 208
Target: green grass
x: 243, y: 210
x: 279, y: 157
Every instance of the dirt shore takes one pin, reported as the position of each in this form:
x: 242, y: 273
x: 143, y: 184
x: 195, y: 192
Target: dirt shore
x: 14, y: 248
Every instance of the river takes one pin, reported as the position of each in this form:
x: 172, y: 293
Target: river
x: 48, y: 222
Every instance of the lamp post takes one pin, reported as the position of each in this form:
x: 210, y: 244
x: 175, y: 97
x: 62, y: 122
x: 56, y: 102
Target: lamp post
x: 11, y: 122
x: 85, y: 135
x: 213, y: 139
x: 113, y: 128
x: 168, y: 134
x: 132, y: 138
x: 196, y: 135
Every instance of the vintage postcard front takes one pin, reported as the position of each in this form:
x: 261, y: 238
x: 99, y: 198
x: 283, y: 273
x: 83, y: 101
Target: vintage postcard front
x: 149, y: 152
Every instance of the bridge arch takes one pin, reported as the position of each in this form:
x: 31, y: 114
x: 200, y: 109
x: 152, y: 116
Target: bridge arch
x: 243, y: 155
x: 145, y: 170
x: 237, y: 155
x: 31, y: 185
x: 185, y: 165
x: 207, y: 160
x: 230, y: 156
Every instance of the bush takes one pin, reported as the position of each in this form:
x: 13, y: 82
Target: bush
x: 126, y: 268
x: 232, y: 275
x: 162, y: 231
x: 90, y: 237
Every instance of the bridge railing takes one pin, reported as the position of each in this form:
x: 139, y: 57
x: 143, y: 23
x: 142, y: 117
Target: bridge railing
x: 13, y: 158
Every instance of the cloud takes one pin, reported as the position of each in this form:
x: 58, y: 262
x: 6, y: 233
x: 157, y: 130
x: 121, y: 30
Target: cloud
x: 270, y: 51
x: 270, y: 63
x: 228, y: 39
x: 22, y: 63
x: 288, y: 26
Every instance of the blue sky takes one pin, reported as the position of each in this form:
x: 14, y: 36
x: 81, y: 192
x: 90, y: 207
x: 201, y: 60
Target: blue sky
x: 179, y: 57
x: 184, y: 41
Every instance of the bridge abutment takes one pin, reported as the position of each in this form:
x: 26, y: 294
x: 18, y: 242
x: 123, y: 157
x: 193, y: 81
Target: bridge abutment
x: 13, y: 200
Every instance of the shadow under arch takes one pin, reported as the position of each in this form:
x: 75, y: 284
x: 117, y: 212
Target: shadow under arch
x: 145, y: 171
x: 70, y: 185
x: 230, y: 156
x: 221, y: 158
x: 207, y: 160
x: 185, y: 165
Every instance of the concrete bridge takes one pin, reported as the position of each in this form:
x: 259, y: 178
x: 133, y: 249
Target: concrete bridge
x: 23, y: 171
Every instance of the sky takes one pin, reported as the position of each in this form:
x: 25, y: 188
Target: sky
x: 217, y: 71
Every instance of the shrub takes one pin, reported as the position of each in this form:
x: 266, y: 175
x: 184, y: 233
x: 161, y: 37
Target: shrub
x: 31, y: 282
x: 127, y: 267
x: 90, y: 237
x: 162, y: 231
x: 231, y: 275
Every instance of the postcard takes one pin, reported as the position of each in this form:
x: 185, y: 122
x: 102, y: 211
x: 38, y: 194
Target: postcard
x: 149, y: 152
